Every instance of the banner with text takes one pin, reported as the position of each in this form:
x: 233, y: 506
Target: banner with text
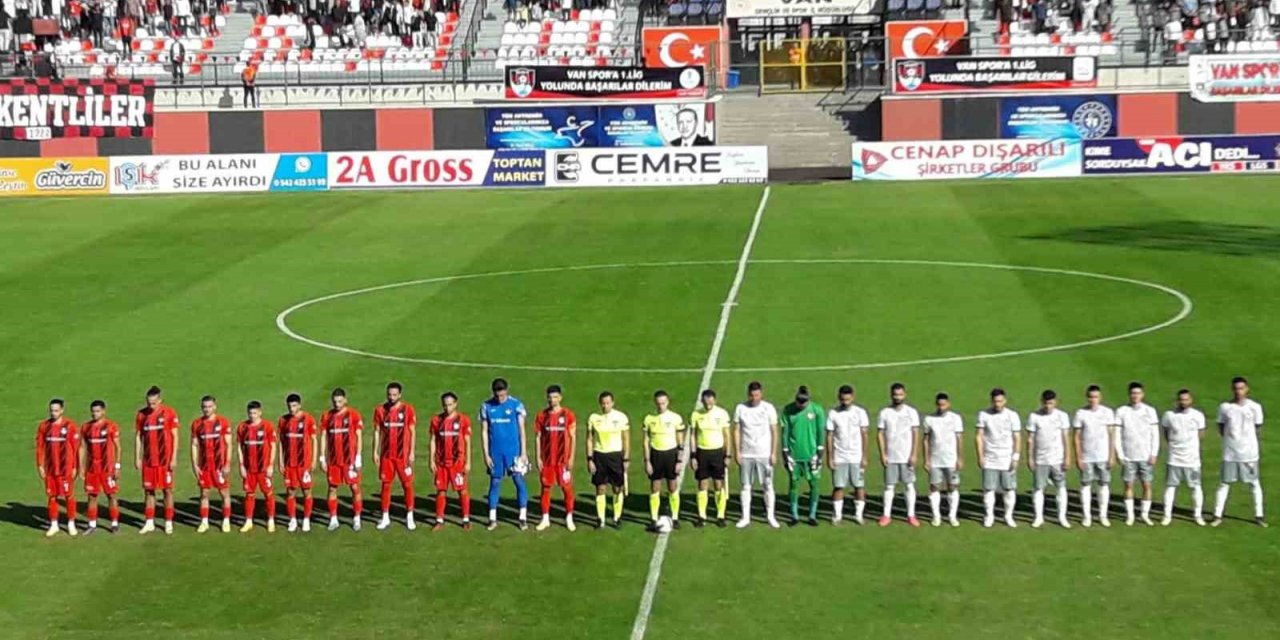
x: 642, y: 125
x: 1235, y: 78
x: 1049, y: 117
x: 229, y: 173
x: 436, y: 169
x: 53, y: 176
x: 1189, y: 154
x: 604, y: 83
x: 956, y: 159
x: 42, y: 108
x: 799, y: 8
x: 657, y: 167
x: 1046, y: 73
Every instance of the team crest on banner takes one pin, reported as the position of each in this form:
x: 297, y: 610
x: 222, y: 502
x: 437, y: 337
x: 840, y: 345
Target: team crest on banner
x: 522, y: 80
x: 910, y: 74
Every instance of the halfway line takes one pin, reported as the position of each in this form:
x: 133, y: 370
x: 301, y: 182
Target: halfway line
x: 708, y: 370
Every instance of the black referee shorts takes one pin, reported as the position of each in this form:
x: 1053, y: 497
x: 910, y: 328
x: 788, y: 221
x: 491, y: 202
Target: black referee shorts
x: 663, y: 463
x: 710, y: 464
x: 608, y: 469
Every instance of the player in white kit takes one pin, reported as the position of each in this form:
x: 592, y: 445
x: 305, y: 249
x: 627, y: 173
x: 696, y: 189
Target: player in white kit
x: 756, y: 450
x: 898, y: 425
x: 1183, y: 429
x: 1048, y: 455
x: 999, y: 441
x: 945, y: 456
x: 847, y: 454
x: 1239, y: 422
x: 1137, y: 446
x: 1094, y: 425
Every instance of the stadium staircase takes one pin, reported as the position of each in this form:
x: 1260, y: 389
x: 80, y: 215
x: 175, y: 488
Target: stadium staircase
x: 238, y: 27
x: 799, y: 131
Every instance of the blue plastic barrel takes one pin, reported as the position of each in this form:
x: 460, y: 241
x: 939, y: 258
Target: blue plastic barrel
x: 732, y: 80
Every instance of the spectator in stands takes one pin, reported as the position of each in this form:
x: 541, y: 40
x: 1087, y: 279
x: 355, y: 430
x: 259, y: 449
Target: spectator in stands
x: 1088, y: 15
x: 1004, y: 14
x: 566, y: 9
x: 110, y: 9
x: 133, y: 9
x: 178, y: 58
x: 95, y: 23
x: 359, y: 30
x: 1274, y: 10
x: 1239, y: 20
x: 1259, y: 21
x: 249, y: 80
x: 1224, y: 26
x: 429, y: 26
x: 6, y: 29
x: 1105, y: 16
x: 1038, y: 15
x: 127, y: 27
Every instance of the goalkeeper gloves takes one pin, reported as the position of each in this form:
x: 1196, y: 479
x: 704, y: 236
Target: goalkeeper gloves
x: 815, y: 462
x: 788, y: 460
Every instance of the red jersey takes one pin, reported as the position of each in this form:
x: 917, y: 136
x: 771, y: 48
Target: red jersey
x: 58, y: 447
x: 296, y: 436
x: 395, y: 425
x: 450, y: 433
x: 255, y: 445
x: 211, y: 436
x: 342, y: 435
x: 554, y: 429
x: 157, y: 427
x: 100, y: 438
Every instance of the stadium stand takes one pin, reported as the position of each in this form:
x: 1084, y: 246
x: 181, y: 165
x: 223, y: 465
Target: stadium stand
x: 531, y: 34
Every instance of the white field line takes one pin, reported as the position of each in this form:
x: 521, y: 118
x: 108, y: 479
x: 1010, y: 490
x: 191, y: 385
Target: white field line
x: 708, y: 370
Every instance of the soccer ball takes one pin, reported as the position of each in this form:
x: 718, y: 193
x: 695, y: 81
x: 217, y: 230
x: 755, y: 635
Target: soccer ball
x: 663, y: 525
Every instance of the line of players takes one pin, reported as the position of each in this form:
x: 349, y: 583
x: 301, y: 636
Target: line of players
x: 809, y: 437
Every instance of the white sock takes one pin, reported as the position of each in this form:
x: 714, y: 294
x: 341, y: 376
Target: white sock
x: 954, y: 499
x: 524, y: 513
x: 888, y: 502
x: 935, y: 503
x: 1010, y: 500
x: 1104, y: 500
x: 1086, y: 500
x: 745, y: 499
x: 93, y: 524
x: 858, y: 507
x: 770, y: 501
x: 1220, y: 500
x: 911, y: 501
x: 1063, y: 499
x: 989, y: 501
x: 838, y: 505
x: 151, y: 521
x: 1146, y: 508
x: 1197, y: 500
x: 1169, y: 493
x: 1257, y: 499
x: 204, y: 521
x: 1128, y: 508
x: 1037, y: 499
x: 493, y: 515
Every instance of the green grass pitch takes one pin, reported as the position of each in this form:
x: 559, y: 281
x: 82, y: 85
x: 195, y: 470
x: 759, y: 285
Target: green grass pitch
x: 102, y: 298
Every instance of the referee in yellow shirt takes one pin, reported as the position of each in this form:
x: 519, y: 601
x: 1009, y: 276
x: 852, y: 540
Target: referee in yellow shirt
x: 608, y: 454
x: 663, y: 456
x: 711, y: 448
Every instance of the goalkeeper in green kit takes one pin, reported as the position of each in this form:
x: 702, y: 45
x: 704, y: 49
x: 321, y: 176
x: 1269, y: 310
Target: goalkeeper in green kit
x: 803, y: 434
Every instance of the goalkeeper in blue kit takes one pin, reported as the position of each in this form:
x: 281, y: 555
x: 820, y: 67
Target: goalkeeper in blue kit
x: 803, y: 435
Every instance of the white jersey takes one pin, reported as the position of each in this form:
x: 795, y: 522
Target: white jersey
x: 942, y: 431
x: 1139, y: 437
x: 847, y: 425
x: 997, y: 430
x: 1182, y: 430
x: 756, y: 426
x: 1095, y: 432
x: 898, y: 426
x: 1240, y: 423
x: 1050, y: 429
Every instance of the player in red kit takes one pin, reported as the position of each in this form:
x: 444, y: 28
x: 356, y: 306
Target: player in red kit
x: 451, y: 457
x: 100, y: 460
x: 393, y: 449
x: 156, y: 456
x: 554, y: 428
x: 211, y: 460
x: 297, y: 459
x: 58, y: 462
x: 257, y: 440
x: 341, y: 451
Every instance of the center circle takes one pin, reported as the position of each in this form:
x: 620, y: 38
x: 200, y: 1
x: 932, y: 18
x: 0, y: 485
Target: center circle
x: 645, y: 318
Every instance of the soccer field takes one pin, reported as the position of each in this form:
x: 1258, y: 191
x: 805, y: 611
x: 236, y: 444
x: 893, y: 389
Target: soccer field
x: 942, y: 286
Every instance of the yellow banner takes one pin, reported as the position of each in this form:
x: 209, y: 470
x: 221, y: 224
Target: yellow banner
x: 53, y: 176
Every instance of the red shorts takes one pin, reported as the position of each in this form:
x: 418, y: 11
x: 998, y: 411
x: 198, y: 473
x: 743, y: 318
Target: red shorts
x: 255, y: 481
x: 451, y: 477
x: 339, y: 475
x: 96, y: 482
x: 212, y: 479
x: 156, y: 479
x: 59, y: 486
x: 297, y: 478
x: 390, y: 469
x: 557, y: 474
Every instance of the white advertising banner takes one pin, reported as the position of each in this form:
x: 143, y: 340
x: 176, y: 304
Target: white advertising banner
x: 224, y: 173
x: 435, y: 169
x: 657, y: 167
x: 957, y: 159
x: 1235, y: 78
x: 786, y: 8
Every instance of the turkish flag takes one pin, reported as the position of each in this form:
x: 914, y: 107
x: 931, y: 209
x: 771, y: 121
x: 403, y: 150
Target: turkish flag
x: 927, y: 38
x: 675, y: 47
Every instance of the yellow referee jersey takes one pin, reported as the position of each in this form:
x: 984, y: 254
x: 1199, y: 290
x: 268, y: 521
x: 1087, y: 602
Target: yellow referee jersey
x: 711, y: 427
x: 663, y: 430
x: 607, y: 430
